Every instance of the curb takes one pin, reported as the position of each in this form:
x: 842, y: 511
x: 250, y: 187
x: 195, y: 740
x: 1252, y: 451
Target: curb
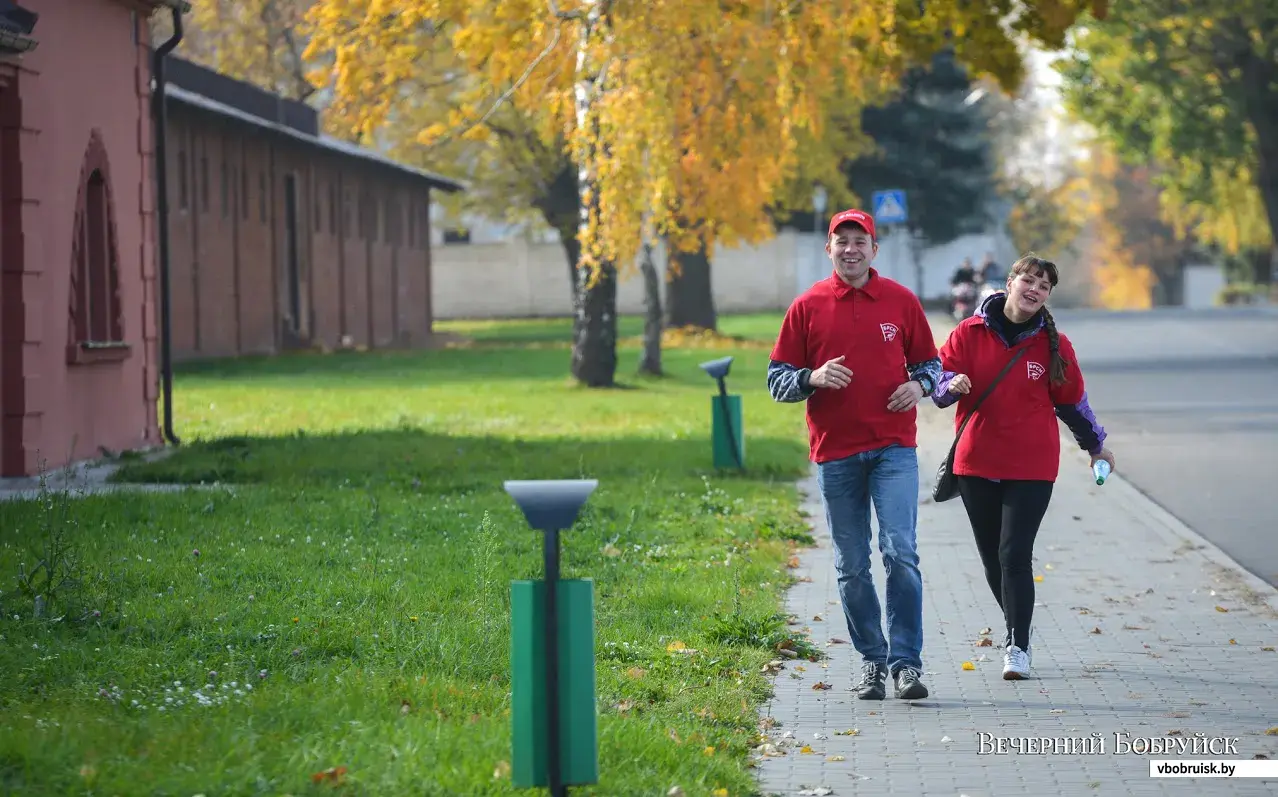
x: 1172, y: 528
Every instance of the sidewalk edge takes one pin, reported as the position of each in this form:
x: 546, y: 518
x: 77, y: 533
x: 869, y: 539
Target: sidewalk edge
x: 1173, y: 527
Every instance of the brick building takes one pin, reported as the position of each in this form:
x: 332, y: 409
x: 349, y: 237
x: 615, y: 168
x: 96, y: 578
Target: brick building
x: 279, y: 236
x: 78, y: 332
x: 282, y: 236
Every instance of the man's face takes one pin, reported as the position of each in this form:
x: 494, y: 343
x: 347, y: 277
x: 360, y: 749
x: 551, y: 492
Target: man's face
x: 852, y: 251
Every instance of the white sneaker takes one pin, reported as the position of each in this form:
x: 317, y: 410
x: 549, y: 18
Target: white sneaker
x: 1016, y: 664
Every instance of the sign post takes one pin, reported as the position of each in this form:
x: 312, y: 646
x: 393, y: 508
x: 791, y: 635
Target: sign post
x: 891, y: 210
x: 554, y: 724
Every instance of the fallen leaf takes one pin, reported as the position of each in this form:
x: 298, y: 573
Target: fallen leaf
x: 1268, y: 648
x: 502, y: 770
x: 624, y: 706
x: 807, y: 579
x: 792, y: 562
x: 946, y: 739
x: 1057, y: 711
x: 1221, y: 609
x: 771, y: 668
x: 800, y: 668
x: 611, y: 550
x: 719, y: 793
x: 708, y: 751
x: 985, y: 642
x: 816, y: 791
x: 836, y: 758
x: 848, y: 732
x: 1038, y: 578
x: 1048, y: 567
x: 817, y: 618
x: 821, y: 686
x: 676, y: 645
x: 967, y: 665
x: 1233, y: 642
x: 1094, y: 631
x: 836, y: 641
x: 768, y: 722
x: 636, y: 672
x: 807, y: 748
x: 986, y: 631
x: 1127, y: 627
x: 1174, y: 732
x: 330, y: 775
x: 1272, y: 731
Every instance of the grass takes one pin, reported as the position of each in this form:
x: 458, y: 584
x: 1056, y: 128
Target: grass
x: 335, y: 618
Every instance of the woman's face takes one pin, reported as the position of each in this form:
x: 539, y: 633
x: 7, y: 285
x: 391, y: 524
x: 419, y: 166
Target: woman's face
x: 1028, y: 291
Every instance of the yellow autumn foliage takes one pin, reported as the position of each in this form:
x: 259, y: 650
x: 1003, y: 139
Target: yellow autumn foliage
x: 685, y: 118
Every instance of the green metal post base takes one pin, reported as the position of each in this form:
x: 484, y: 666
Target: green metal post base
x: 579, y: 751
x: 720, y: 441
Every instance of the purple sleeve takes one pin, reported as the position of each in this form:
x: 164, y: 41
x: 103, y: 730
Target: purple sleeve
x: 1083, y: 424
x: 941, y: 395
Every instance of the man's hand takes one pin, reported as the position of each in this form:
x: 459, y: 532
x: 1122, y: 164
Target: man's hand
x: 833, y: 374
x: 960, y: 384
x: 905, y: 397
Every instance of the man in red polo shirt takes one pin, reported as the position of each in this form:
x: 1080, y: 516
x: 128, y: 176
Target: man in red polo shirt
x: 858, y: 348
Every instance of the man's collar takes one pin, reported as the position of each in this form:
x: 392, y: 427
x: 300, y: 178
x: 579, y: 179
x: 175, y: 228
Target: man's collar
x: 842, y: 290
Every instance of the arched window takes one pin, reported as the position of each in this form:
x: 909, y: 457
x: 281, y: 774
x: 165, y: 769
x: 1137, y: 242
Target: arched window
x: 96, y: 329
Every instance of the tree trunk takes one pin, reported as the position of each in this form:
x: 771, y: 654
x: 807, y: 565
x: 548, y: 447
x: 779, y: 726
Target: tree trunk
x: 689, y: 294
x: 650, y: 361
x: 594, y: 338
x: 1262, y: 110
x: 560, y: 206
x: 594, y: 329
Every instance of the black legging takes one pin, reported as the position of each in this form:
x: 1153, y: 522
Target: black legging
x: 1005, y: 516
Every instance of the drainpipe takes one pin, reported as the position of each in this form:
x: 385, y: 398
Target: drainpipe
x: 160, y: 112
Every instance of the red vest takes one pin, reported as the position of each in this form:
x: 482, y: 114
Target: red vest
x: 879, y: 329
x: 1015, y: 434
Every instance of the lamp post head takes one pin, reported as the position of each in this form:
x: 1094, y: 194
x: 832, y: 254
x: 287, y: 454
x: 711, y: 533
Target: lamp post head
x: 718, y: 369
x: 550, y: 505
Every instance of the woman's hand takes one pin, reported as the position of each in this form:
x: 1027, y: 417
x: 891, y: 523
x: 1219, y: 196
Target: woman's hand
x: 960, y: 384
x: 1106, y: 455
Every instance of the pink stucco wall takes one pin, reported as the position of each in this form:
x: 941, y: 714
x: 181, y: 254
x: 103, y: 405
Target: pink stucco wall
x: 89, y: 73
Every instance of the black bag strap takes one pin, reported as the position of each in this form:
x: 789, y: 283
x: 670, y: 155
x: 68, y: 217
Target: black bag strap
x: 988, y: 391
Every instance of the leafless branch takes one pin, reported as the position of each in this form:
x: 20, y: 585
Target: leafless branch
x: 508, y: 93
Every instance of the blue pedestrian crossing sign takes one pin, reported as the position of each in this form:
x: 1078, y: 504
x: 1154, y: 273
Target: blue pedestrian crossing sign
x: 890, y: 207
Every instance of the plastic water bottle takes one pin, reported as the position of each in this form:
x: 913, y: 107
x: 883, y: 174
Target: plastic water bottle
x: 1101, y: 471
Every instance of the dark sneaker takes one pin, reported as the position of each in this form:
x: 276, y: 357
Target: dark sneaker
x: 873, y: 679
x: 909, y: 685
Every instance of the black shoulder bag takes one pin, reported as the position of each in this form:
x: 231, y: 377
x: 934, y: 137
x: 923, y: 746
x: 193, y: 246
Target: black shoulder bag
x: 946, y: 482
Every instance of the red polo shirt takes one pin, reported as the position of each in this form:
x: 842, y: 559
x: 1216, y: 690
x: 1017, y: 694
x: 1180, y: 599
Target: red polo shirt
x: 878, y: 329
x: 1015, y: 433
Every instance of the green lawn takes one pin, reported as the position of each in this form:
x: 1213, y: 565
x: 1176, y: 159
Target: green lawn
x: 344, y: 604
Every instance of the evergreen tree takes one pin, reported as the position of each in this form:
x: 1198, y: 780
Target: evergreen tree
x: 935, y: 144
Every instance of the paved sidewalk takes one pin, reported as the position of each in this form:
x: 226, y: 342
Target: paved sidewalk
x: 1142, y: 628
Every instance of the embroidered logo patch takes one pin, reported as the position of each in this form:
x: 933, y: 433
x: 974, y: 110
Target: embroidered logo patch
x: 889, y: 332
x: 1035, y: 370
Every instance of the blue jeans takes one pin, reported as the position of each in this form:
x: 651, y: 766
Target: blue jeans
x: 890, y: 478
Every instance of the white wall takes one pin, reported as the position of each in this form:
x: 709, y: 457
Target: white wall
x: 526, y: 275
x: 1202, y: 284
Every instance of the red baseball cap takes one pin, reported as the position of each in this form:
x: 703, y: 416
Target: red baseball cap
x: 859, y: 217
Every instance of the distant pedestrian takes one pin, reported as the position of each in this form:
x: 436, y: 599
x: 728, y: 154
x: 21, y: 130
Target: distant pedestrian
x: 1008, y: 458
x: 858, y: 348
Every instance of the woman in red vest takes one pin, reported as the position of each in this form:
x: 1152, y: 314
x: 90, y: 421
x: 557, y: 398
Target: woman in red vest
x: 1008, y: 458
